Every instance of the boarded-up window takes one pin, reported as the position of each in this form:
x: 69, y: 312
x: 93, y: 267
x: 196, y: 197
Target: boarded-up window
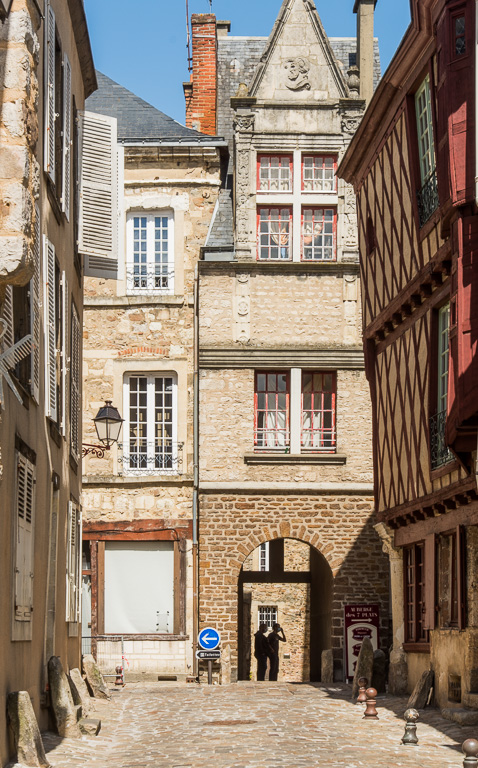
x: 24, y: 521
x: 139, y: 578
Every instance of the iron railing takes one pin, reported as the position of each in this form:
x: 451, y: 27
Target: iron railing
x: 141, y: 280
x: 440, y: 454
x: 144, y: 457
x: 427, y: 198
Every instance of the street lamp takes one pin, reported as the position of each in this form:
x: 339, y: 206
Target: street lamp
x: 108, y: 423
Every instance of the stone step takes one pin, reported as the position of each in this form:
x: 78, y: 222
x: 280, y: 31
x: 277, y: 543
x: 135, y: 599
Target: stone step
x: 89, y: 726
x: 470, y: 699
x: 461, y: 716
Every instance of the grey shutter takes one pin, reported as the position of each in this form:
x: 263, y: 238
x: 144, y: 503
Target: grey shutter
x: 49, y: 95
x: 72, y: 562
x: 35, y: 311
x: 7, y: 317
x: 75, y: 370
x: 79, y: 559
x: 24, y: 507
x: 98, y: 230
x: 49, y: 294
x: 65, y: 193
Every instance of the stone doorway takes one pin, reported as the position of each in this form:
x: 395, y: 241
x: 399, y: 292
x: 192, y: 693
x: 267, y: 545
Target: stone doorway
x: 288, y: 581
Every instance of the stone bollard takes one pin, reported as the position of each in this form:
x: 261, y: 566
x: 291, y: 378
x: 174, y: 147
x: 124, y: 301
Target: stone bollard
x: 362, y: 697
x: 470, y: 750
x: 410, y: 735
x: 119, y: 675
x: 371, y: 710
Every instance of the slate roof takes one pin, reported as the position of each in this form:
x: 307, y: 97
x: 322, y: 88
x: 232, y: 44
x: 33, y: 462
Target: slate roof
x: 138, y: 120
x: 221, y: 232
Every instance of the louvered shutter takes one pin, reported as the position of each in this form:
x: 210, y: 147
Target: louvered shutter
x: 66, y: 176
x: 35, y: 311
x: 25, y: 502
x: 75, y: 368
x: 49, y: 96
x: 98, y: 195
x: 7, y: 317
x: 72, y: 562
x: 50, y: 330
x: 64, y: 350
x: 79, y: 553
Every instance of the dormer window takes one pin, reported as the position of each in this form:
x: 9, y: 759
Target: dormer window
x: 274, y: 173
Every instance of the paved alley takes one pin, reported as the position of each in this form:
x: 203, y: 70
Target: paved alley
x: 251, y: 725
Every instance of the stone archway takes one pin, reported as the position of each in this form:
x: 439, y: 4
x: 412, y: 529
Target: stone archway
x: 286, y: 579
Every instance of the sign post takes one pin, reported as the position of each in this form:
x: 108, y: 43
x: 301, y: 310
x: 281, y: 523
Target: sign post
x: 209, y: 640
x: 361, y: 621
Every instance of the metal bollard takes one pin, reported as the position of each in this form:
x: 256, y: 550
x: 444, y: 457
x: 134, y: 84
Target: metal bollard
x: 470, y: 750
x: 371, y: 710
x: 362, y: 697
x: 119, y: 675
x: 410, y: 735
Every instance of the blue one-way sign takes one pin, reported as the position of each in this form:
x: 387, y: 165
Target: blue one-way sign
x: 209, y: 638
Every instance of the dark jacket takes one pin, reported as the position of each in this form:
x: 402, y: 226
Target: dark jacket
x: 261, y: 645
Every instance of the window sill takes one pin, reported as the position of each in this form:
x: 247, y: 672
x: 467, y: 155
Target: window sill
x: 444, y: 469
x: 294, y: 458
x: 416, y: 647
x: 141, y: 480
x: 152, y: 636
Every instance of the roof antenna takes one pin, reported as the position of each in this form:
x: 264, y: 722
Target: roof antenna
x: 188, y: 39
x: 210, y: 5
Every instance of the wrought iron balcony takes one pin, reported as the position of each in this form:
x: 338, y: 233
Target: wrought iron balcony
x: 143, y: 280
x: 440, y: 454
x: 427, y: 198
x: 151, y: 458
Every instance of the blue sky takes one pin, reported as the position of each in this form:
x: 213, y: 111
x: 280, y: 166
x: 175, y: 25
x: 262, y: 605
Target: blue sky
x: 145, y: 50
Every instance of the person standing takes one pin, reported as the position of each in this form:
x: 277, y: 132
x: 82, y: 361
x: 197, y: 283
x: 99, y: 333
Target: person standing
x: 274, y: 639
x: 261, y: 650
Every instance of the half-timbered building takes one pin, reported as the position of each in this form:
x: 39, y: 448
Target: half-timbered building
x: 285, y: 455
x: 413, y: 166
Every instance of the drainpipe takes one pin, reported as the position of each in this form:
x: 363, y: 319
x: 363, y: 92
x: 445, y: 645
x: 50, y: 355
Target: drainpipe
x: 195, y: 469
x: 476, y: 101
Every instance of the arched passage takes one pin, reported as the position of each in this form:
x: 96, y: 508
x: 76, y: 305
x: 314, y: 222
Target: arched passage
x: 286, y: 580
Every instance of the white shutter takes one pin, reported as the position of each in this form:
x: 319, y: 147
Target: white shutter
x: 49, y: 294
x: 49, y: 95
x: 64, y: 350
x: 75, y: 368
x: 24, y: 507
x: 7, y: 317
x: 73, y: 564
x: 66, y: 175
x: 35, y: 311
x: 98, y: 225
x: 79, y: 564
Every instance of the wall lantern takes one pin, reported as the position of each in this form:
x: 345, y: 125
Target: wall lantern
x: 108, y: 423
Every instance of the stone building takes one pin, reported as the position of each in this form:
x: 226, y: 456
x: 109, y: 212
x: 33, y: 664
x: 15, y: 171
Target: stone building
x: 413, y: 164
x: 139, y: 530
x: 46, y: 72
x: 285, y: 424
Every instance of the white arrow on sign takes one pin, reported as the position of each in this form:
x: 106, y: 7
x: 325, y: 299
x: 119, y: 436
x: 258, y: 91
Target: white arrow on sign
x: 209, y: 638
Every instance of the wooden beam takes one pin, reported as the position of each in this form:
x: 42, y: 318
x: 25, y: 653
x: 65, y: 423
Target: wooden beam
x: 264, y: 577
x: 435, y: 525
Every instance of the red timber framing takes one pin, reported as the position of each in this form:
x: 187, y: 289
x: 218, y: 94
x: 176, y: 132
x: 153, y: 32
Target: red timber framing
x: 96, y: 534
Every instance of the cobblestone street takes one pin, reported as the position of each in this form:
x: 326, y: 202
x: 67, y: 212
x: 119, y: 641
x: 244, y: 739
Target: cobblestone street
x: 254, y: 725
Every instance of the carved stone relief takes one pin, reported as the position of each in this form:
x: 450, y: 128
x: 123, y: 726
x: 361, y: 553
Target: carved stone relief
x: 242, y: 199
x: 350, y: 202
x: 350, y: 123
x: 244, y: 122
x: 297, y: 74
x: 242, y: 308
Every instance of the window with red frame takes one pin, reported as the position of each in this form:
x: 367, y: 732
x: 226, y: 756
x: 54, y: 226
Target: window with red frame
x: 271, y: 411
x: 319, y: 227
x: 319, y: 173
x: 274, y: 173
x: 318, y: 411
x: 414, y: 564
x: 274, y: 234
x: 459, y: 35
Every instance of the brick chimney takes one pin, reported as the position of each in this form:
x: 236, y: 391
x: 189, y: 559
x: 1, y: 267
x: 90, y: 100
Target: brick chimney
x: 200, y: 93
x: 365, y: 10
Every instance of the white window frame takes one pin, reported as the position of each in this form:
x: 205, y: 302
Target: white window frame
x: 271, y: 611
x: 443, y: 357
x: 264, y: 556
x: 151, y: 469
x: 149, y: 286
x: 426, y: 143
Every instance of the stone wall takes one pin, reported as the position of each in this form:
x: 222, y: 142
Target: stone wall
x: 339, y: 527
